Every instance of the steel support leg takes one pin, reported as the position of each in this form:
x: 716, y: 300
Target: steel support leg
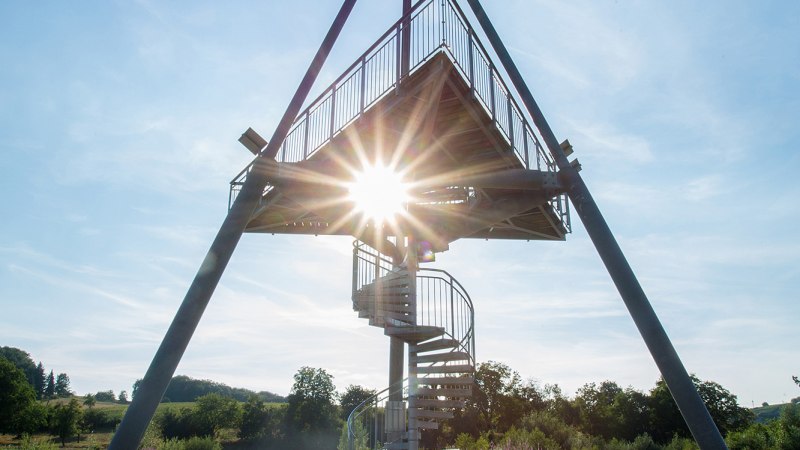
x: 692, y: 408
x: 169, y: 354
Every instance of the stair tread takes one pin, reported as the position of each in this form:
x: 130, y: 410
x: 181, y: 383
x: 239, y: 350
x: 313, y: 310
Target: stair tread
x: 464, y: 392
x: 431, y: 414
x: 445, y: 381
x: 459, y: 368
x: 438, y: 344
x: 412, y: 334
x: 427, y: 425
x: 436, y: 403
x: 440, y: 357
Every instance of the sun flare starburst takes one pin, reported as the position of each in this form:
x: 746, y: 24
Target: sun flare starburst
x: 379, y: 193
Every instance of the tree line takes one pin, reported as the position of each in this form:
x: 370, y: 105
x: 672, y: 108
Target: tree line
x: 507, y: 412
x: 186, y: 389
x: 45, y: 386
x: 504, y: 412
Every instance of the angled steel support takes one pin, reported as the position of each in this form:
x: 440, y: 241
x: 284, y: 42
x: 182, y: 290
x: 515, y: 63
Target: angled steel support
x: 692, y: 408
x: 169, y: 354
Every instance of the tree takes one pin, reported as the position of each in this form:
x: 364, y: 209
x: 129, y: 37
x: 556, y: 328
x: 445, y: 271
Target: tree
x: 796, y: 380
x: 62, y: 385
x: 105, y: 396
x: 66, y: 418
x: 352, y: 397
x: 215, y: 412
x: 311, y: 416
x: 22, y: 360
x: 50, y: 388
x: 16, y: 394
x: 123, y: 397
x: 40, y: 381
x: 260, y: 422
x: 666, y: 420
x: 135, y: 389
x: 89, y: 401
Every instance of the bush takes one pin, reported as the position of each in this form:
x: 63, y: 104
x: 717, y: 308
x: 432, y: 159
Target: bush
x: 100, y: 419
x: 198, y: 443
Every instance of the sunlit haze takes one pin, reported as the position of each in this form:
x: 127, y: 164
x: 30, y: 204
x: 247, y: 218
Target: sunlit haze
x: 120, y: 122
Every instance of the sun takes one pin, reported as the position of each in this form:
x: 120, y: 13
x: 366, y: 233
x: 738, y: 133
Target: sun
x: 379, y: 193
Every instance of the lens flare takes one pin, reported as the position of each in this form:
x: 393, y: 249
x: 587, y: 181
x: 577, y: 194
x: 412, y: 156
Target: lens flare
x: 378, y: 193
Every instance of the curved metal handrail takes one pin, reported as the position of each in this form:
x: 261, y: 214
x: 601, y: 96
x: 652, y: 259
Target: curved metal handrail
x: 443, y: 313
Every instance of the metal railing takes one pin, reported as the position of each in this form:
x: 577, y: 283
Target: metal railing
x: 435, y: 26
x: 440, y: 301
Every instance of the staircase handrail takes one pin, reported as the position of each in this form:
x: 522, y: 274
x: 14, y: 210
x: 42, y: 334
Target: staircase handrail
x: 367, y: 403
x: 466, y: 340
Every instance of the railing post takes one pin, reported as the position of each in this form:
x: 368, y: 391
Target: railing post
x: 525, y: 141
x: 510, y: 121
x: 471, y: 63
x: 398, y: 55
x: 452, y: 309
x: 491, y: 92
x: 305, y: 136
x: 333, y: 113
x: 362, y: 100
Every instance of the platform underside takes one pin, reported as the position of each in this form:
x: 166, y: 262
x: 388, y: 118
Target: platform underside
x: 432, y: 128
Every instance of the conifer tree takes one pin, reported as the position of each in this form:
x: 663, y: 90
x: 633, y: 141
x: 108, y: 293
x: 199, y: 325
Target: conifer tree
x: 62, y: 385
x: 50, y: 388
x: 40, y: 381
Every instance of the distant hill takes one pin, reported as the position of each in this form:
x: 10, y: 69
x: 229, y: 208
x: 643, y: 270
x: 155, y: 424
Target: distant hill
x: 187, y: 389
x: 766, y: 413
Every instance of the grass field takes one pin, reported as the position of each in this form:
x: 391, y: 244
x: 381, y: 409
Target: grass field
x: 100, y: 438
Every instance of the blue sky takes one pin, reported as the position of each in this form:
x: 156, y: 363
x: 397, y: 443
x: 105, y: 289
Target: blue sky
x: 118, y: 140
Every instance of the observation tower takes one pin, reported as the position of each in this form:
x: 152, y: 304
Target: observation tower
x: 419, y: 143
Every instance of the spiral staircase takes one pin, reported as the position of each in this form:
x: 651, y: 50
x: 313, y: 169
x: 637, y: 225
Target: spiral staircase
x: 431, y: 312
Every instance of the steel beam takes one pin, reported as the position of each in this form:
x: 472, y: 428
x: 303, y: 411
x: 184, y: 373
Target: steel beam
x: 180, y: 332
x: 692, y: 408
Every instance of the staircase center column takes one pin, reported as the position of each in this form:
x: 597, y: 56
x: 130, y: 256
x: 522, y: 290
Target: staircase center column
x: 395, y: 414
x: 413, y: 266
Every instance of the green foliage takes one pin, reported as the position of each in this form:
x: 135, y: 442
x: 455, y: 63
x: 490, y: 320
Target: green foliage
x: 360, y: 437
x: 89, y: 401
x: 260, y: 422
x: 29, y: 443
x: 32, y: 419
x: 198, y: 443
x: 95, y: 419
x: 185, y: 389
x: 16, y: 395
x: 311, y: 415
x: 62, y: 385
x: 22, y: 360
x: 66, y: 418
x: 780, y: 434
x: 50, y: 387
x: 123, y: 397
x: 666, y: 420
x: 214, y: 412
x: 105, y: 396
x: 609, y: 411
x: 465, y: 441
x: 39, y: 381
x: 352, y: 397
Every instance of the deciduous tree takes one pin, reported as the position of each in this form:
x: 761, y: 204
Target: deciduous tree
x: 311, y: 416
x: 16, y: 394
x: 352, y: 397
x: 66, y: 418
